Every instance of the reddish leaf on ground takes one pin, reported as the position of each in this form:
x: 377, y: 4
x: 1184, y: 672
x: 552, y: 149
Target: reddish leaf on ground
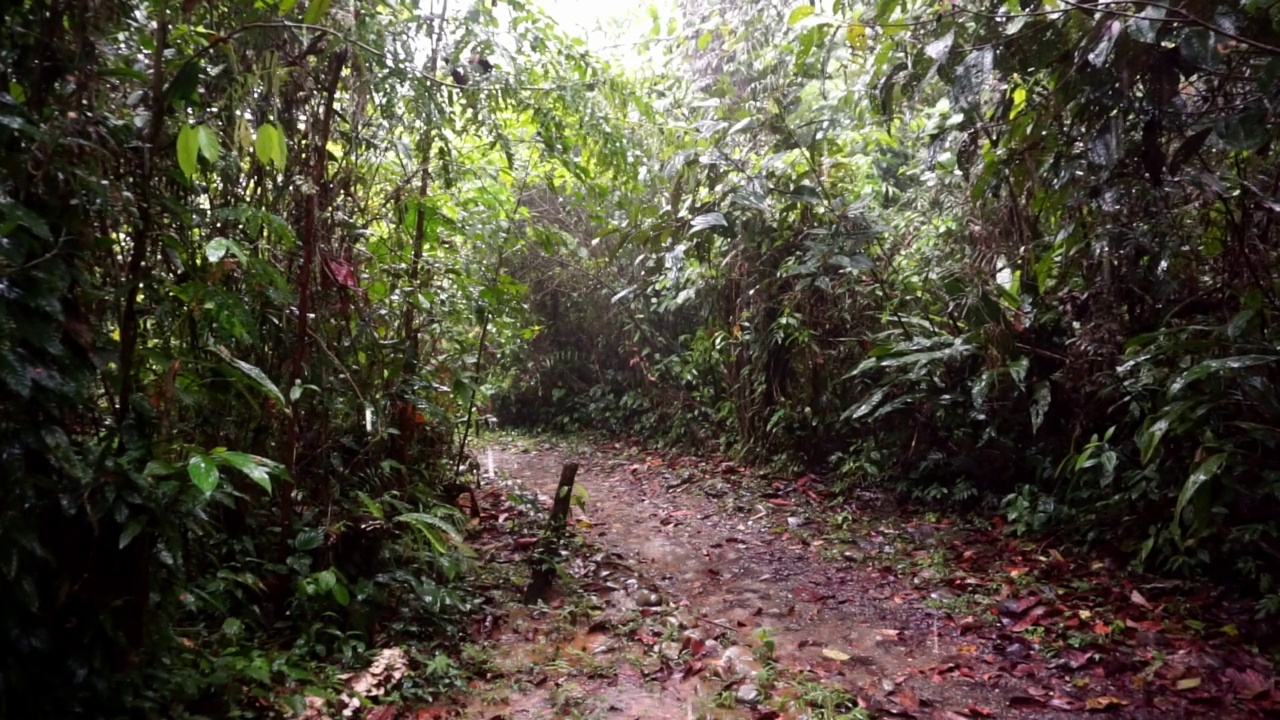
x: 1249, y: 684
x: 1065, y: 703
x: 1017, y: 606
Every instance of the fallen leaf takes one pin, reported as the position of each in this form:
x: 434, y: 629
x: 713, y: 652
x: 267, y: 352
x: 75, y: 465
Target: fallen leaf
x: 1136, y: 598
x: 1249, y: 684
x: 978, y: 711
x: 1104, y: 702
x: 1017, y: 606
x: 1025, y: 701
x: 1066, y: 703
x: 835, y: 654
x: 1188, y: 683
x: 906, y: 698
x: 1102, y: 628
x: 1032, y: 618
x: 382, y: 712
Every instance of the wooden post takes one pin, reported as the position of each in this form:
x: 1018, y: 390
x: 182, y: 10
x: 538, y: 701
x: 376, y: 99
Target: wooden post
x: 544, y: 568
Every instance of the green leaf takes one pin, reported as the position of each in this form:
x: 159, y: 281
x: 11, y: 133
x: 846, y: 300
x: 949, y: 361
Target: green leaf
x: 1149, y: 438
x: 1203, y: 472
x: 254, y: 374
x: 309, y: 539
x: 707, y: 220
x: 340, y: 594
x: 270, y: 146
x: 131, y: 530
x: 188, y: 150
x: 203, y: 473
x: 1019, y: 102
x: 801, y: 12
x: 1216, y: 366
x: 286, y: 6
x: 316, y: 11
x: 217, y: 248
x: 856, y: 35
x: 208, y: 142
x: 258, y: 469
x: 704, y: 40
x: 867, y: 405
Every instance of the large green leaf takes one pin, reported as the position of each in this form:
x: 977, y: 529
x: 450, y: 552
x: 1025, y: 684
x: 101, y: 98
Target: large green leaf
x: 188, y: 150
x: 254, y: 374
x: 259, y: 469
x: 203, y: 472
x: 316, y: 11
x: 1203, y: 472
x: 1217, y: 366
x: 208, y: 142
x: 269, y: 145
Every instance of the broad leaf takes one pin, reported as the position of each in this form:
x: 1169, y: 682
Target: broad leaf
x: 188, y: 150
x: 316, y: 11
x: 799, y: 13
x: 208, y: 142
x: 708, y: 220
x: 254, y: 374
x: 203, y: 473
x: 1203, y: 472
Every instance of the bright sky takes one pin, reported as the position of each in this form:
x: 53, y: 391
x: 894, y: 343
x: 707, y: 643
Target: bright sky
x: 586, y: 17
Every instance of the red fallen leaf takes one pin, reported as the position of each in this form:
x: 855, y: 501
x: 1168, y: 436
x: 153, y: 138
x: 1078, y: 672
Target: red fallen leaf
x: 1025, y: 701
x: 692, y: 669
x: 1136, y: 598
x: 1075, y: 659
x: 1017, y: 606
x: 779, y: 502
x: 1066, y: 703
x: 1039, y: 691
x: 1101, y: 628
x: 1024, y: 670
x: 1015, y: 571
x: 978, y: 711
x: 382, y: 712
x: 1249, y: 684
x: 525, y: 542
x: 940, y: 670
x: 906, y: 698
x: 1032, y: 618
x: 1144, y: 625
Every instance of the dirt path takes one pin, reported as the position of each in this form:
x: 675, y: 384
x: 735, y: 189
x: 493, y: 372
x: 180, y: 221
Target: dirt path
x: 706, y: 600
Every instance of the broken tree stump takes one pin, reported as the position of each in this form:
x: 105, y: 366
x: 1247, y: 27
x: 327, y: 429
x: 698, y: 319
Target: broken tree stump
x: 543, y: 562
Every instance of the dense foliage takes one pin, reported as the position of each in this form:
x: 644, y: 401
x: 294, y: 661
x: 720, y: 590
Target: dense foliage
x: 261, y: 262
x: 1018, y: 254
x: 253, y: 274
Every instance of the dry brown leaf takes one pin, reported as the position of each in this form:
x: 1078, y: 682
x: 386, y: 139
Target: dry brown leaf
x: 1104, y: 702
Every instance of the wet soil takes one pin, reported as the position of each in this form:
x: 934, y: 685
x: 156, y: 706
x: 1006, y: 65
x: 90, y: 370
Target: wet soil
x: 712, y: 592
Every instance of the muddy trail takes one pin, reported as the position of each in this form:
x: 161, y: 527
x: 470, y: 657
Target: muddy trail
x: 695, y: 588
